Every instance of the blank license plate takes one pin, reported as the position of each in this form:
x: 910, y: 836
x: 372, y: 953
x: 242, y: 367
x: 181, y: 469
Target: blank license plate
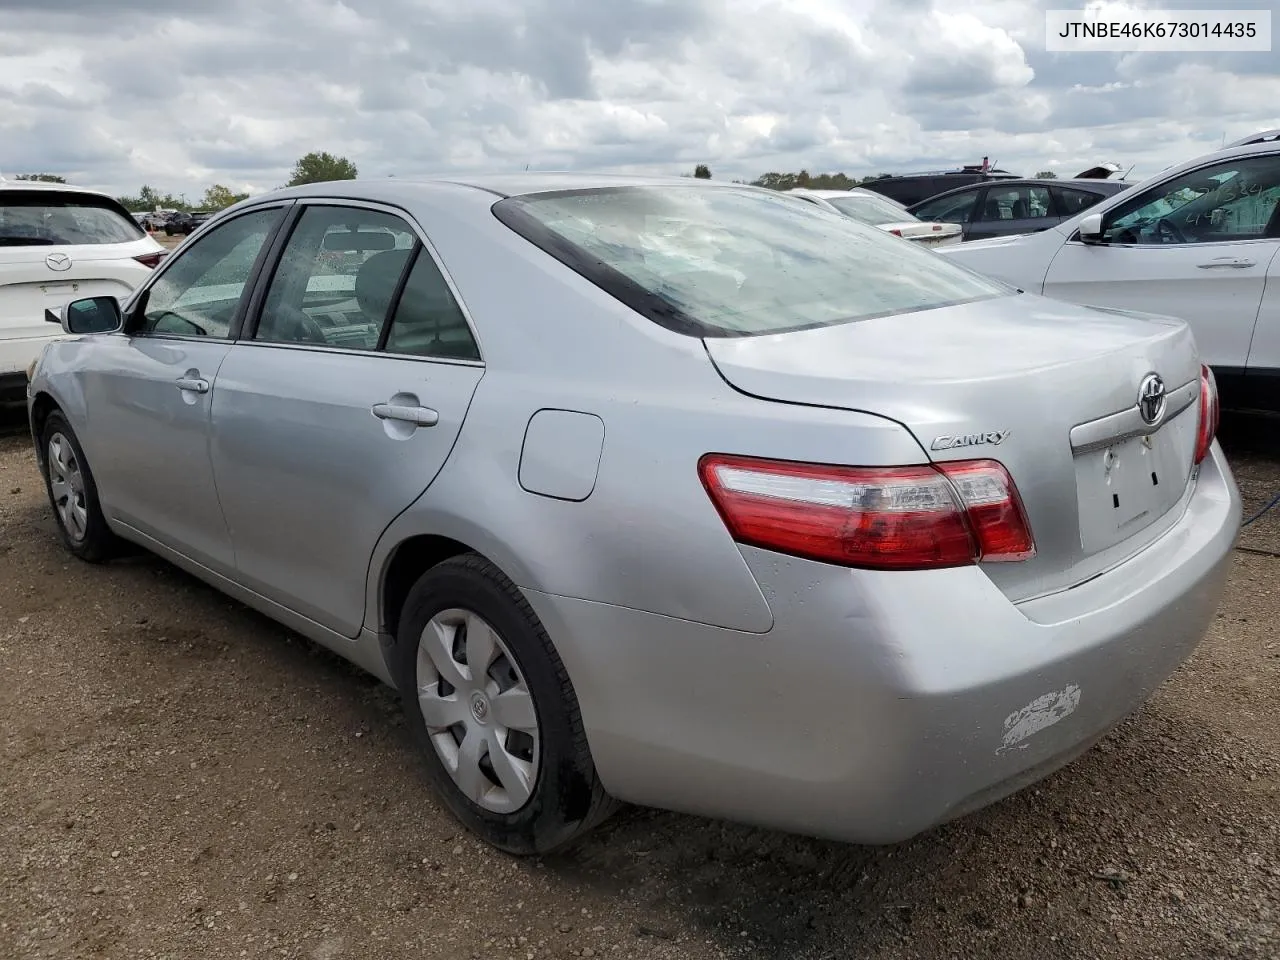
x: 1128, y: 485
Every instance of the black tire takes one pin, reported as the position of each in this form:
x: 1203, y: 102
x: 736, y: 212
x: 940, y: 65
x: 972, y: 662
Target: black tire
x: 567, y: 799
x: 168, y: 231
x: 98, y: 543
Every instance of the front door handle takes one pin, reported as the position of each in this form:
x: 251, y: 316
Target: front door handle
x: 419, y: 416
x: 1238, y: 263
x: 194, y: 384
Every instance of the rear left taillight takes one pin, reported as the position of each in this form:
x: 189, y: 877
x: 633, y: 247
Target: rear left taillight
x: 1210, y: 413
x: 879, y: 518
x: 895, y: 231
x: 152, y: 260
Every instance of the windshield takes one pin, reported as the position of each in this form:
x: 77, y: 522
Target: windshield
x: 721, y: 261
x: 872, y: 210
x: 49, y: 217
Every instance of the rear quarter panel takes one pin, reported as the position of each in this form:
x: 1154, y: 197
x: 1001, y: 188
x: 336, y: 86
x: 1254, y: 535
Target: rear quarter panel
x: 648, y: 536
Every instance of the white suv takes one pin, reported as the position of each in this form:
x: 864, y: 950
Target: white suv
x: 1199, y: 241
x: 59, y: 243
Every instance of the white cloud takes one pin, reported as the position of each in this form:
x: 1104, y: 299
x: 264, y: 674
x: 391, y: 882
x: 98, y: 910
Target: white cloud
x: 187, y: 93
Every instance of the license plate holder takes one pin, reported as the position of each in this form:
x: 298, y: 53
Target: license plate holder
x: 1126, y: 486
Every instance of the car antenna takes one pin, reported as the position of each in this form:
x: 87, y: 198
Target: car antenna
x: 1129, y: 171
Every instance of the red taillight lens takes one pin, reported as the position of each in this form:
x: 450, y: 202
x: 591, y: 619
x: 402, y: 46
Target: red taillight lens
x: 895, y: 231
x: 881, y: 518
x: 152, y: 260
x: 1210, y: 413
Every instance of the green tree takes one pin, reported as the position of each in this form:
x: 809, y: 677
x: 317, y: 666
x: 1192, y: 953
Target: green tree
x: 321, y: 168
x: 149, y: 198
x: 41, y: 177
x: 702, y: 172
x: 218, y: 197
x: 1046, y: 175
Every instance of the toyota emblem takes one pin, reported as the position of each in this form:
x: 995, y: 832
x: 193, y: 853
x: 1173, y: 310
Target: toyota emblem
x: 1151, y: 398
x: 58, y: 261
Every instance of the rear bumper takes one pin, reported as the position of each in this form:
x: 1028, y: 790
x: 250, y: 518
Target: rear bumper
x: 17, y: 353
x: 882, y: 704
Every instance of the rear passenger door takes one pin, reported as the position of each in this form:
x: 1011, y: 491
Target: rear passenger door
x: 338, y: 407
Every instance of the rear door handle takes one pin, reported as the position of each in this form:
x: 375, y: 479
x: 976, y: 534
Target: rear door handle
x: 1239, y: 263
x: 419, y: 416
x: 194, y: 384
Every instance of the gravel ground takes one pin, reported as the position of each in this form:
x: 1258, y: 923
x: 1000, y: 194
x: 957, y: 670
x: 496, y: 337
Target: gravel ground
x: 184, y: 779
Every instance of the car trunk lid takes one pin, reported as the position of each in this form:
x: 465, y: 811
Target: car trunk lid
x: 36, y: 278
x: 1048, y: 389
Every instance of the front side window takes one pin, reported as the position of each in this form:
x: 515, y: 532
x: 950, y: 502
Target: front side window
x: 199, y: 292
x: 337, y: 278
x: 725, y: 262
x: 43, y: 218
x: 1233, y: 200
x: 954, y: 209
x: 1015, y: 203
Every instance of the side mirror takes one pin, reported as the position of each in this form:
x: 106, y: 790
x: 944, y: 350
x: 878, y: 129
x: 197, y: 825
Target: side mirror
x: 1091, y: 228
x: 90, y: 315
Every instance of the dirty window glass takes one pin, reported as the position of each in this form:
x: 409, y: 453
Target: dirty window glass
x: 199, y: 292
x: 720, y: 261
x: 1233, y: 200
x: 337, y: 277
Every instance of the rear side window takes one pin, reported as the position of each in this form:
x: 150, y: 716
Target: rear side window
x: 47, y: 218
x: 725, y: 262
x: 1071, y: 202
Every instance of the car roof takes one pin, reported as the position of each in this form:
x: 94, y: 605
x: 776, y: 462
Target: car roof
x: 6, y: 183
x: 501, y: 185
x: 1086, y: 183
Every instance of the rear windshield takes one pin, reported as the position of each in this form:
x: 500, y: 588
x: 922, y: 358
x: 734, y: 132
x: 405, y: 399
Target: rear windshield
x: 725, y: 262
x: 50, y: 217
x: 872, y: 210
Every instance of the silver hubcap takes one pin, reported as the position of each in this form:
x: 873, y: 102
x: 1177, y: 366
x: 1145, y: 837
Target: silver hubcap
x: 478, y: 710
x: 67, y: 484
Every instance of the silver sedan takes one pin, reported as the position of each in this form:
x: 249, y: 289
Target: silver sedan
x: 659, y: 491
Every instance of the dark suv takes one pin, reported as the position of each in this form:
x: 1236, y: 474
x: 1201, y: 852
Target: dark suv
x: 1014, y: 206
x: 909, y: 188
x: 184, y: 223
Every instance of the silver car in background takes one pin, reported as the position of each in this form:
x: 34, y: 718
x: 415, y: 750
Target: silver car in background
x: 659, y: 491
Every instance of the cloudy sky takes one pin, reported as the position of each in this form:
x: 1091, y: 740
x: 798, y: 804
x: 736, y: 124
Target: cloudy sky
x: 183, y: 93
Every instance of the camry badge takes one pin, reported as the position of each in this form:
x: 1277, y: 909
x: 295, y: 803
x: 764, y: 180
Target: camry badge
x: 969, y: 440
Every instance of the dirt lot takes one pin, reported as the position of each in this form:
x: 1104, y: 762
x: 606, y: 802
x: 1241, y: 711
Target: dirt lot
x: 184, y: 779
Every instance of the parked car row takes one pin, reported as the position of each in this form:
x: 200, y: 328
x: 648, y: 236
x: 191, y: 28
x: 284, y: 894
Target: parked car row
x: 716, y: 502
x: 1199, y: 241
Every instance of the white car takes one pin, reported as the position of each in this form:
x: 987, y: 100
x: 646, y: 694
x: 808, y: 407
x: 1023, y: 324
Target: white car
x: 59, y: 243
x: 1199, y: 241
x: 879, y: 211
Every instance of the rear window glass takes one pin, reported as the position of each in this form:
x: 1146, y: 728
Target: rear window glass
x: 872, y: 210
x: 723, y: 262
x: 50, y: 217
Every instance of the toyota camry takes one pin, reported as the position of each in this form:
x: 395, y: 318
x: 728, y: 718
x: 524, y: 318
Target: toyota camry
x: 658, y: 491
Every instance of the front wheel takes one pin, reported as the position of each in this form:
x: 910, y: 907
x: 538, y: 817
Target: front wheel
x: 73, y: 494
x: 493, y: 708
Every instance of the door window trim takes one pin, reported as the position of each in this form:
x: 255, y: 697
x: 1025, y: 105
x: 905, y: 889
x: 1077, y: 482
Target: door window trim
x: 138, y: 299
x: 252, y: 316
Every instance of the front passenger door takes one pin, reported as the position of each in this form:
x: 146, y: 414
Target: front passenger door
x: 339, y: 409
x: 149, y: 391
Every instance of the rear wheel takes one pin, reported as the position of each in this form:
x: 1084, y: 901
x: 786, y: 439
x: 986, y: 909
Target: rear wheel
x: 74, y: 495
x: 490, y: 701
